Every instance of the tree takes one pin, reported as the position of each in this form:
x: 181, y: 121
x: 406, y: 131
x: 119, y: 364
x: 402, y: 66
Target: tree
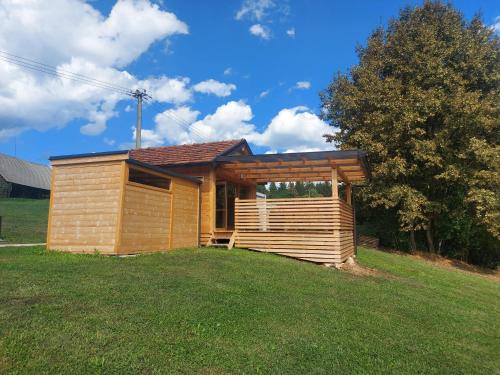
x: 300, y: 188
x: 292, y: 190
x: 273, y: 190
x: 324, y: 189
x: 423, y: 101
x: 283, y: 191
x: 262, y: 189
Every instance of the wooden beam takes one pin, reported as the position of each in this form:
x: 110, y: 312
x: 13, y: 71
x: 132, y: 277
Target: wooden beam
x: 348, y: 194
x: 288, y: 176
x: 335, y: 186
x: 232, y: 177
x: 284, y: 172
x: 124, y: 172
x: 284, y: 179
x: 286, y: 169
x: 298, y: 163
x: 341, y: 174
x: 348, y: 168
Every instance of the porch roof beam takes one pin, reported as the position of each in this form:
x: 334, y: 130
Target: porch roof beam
x: 284, y: 179
x: 314, y: 166
x: 287, y: 169
x: 307, y: 163
x: 290, y: 176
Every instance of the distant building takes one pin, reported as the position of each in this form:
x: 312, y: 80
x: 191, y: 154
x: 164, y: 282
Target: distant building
x: 23, y: 179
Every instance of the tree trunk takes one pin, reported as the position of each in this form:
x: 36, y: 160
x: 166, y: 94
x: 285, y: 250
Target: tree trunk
x: 413, y: 244
x: 430, y: 241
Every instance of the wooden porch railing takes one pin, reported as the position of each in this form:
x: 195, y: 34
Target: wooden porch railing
x: 314, y: 229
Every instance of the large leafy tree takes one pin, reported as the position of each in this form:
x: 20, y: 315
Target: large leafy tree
x: 423, y: 101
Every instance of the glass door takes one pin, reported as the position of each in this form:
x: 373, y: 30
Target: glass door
x: 231, y: 195
x: 225, y: 193
x: 220, y: 205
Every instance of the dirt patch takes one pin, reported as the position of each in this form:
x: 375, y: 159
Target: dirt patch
x: 359, y: 270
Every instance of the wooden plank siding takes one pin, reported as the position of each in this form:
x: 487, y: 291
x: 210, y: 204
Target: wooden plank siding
x: 207, y: 206
x: 314, y: 229
x: 84, y: 207
x: 186, y: 203
x: 94, y: 207
x: 146, y: 220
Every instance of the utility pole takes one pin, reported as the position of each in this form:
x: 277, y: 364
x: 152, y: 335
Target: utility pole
x: 139, y: 95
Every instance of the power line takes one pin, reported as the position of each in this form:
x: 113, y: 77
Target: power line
x: 36, y: 65
x: 177, y: 120
x: 80, y: 78
x: 186, y: 125
x: 55, y: 73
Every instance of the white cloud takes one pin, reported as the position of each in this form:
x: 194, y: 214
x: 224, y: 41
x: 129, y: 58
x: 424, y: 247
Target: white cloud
x: 167, y: 90
x: 228, y: 71
x: 260, y: 31
x: 264, y: 93
x: 291, y: 32
x: 149, y: 138
x: 180, y: 125
x: 173, y: 125
x: 294, y: 129
x: 230, y: 121
x: 496, y: 26
x: 74, y: 36
x: 291, y: 130
x: 214, y: 87
x: 255, y: 9
x: 97, y: 123
x: 108, y: 141
x: 262, y: 13
x: 302, y: 85
x: 69, y: 28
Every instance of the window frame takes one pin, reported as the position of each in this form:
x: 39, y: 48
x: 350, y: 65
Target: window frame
x: 151, y: 172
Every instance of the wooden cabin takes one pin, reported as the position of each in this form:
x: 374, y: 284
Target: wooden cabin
x: 161, y: 198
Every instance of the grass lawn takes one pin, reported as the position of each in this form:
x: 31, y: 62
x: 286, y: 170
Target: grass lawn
x: 220, y: 311
x: 24, y: 220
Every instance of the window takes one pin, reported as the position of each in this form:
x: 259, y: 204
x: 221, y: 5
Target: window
x: 141, y: 177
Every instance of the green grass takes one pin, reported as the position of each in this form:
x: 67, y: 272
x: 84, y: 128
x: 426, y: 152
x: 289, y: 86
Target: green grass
x: 220, y: 311
x: 24, y: 220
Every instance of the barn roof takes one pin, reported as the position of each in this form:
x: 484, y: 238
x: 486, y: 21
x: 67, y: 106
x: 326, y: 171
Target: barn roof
x: 25, y: 173
x: 197, y: 153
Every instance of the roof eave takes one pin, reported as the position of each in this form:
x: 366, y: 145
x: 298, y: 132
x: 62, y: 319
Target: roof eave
x: 89, y: 154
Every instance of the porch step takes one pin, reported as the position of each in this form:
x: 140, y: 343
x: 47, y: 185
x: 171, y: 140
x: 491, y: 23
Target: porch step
x: 225, y: 245
x: 223, y: 235
x: 222, y: 239
x: 220, y: 242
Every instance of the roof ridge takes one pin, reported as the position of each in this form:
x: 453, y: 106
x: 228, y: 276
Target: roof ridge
x: 188, y: 153
x: 193, y: 144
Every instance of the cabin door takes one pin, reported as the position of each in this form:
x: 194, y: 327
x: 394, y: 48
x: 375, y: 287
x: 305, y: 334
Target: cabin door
x: 225, y: 193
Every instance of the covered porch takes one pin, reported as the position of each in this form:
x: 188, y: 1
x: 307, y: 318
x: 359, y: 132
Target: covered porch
x: 320, y: 229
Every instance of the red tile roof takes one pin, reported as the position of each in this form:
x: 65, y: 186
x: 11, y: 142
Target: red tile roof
x: 183, y: 154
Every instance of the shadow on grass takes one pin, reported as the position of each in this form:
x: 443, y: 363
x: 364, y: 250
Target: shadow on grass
x: 446, y: 262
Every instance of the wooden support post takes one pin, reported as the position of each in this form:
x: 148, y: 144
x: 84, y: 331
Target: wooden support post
x: 354, y: 233
x: 348, y: 194
x: 335, y: 183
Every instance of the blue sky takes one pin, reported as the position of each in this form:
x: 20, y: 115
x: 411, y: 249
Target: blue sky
x: 221, y: 69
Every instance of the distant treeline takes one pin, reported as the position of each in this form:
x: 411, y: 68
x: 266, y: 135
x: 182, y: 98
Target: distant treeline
x: 296, y: 189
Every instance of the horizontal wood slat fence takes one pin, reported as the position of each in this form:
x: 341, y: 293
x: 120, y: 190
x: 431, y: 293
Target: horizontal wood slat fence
x: 314, y: 229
